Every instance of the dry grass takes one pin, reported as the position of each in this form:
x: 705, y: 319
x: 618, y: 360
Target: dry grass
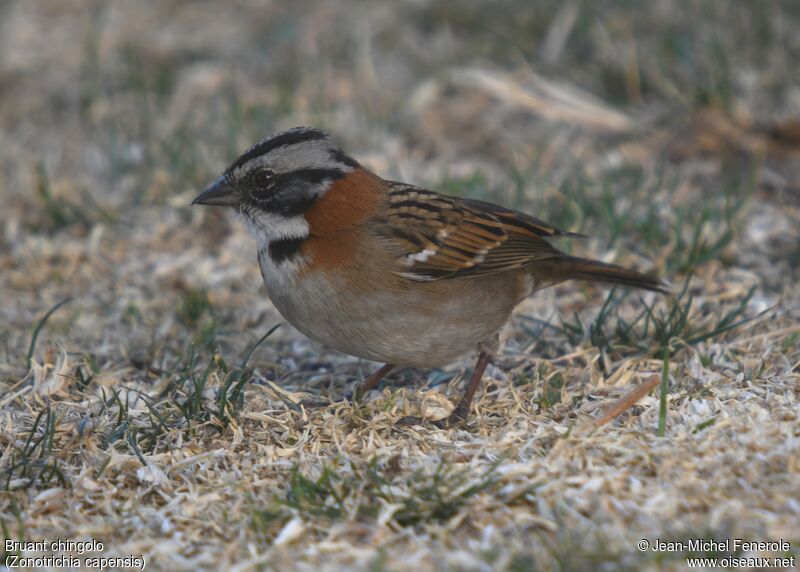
x: 132, y: 413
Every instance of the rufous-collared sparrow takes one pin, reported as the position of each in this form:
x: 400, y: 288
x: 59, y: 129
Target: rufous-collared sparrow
x: 388, y: 271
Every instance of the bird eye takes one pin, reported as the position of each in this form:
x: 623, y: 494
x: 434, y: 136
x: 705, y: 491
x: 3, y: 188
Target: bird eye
x: 263, y: 177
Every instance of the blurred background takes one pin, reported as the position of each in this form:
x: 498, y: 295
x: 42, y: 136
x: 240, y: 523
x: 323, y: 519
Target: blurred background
x: 667, y: 131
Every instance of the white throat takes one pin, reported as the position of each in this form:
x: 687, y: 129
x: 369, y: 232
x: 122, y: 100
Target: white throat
x: 270, y: 227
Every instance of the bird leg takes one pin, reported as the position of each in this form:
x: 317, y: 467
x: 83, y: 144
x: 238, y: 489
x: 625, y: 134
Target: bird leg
x: 372, y: 381
x: 460, y: 413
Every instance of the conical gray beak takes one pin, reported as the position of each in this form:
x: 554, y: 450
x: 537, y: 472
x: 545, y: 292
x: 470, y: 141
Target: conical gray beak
x: 220, y: 194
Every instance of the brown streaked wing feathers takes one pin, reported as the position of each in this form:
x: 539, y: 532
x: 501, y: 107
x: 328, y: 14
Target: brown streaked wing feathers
x: 521, y: 220
x: 436, y: 236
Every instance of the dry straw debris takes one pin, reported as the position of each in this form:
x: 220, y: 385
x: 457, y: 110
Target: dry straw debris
x: 148, y: 403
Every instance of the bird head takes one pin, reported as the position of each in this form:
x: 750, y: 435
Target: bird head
x: 276, y: 180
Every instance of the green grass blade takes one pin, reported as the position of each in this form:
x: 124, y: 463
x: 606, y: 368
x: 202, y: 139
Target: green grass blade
x: 39, y: 327
x: 662, y: 412
x: 254, y: 347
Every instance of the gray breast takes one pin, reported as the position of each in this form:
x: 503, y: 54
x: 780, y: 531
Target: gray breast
x: 420, y: 326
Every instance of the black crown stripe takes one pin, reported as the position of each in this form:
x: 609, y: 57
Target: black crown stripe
x: 291, y: 137
x: 344, y: 158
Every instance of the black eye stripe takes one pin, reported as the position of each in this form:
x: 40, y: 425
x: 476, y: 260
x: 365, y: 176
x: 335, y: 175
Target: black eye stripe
x: 289, y: 194
x: 266, y: 177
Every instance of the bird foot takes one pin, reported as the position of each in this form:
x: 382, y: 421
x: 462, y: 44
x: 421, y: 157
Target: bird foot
x: 315, y: 403
x: 455, y: 419
x: 410, y: 420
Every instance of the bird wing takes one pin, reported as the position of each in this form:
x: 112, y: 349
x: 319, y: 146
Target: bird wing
x: 437, y: 236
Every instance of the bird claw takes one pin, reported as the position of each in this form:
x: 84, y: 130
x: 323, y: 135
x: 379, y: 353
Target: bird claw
x: 455, y: 419
x: 452, y: 421
x: 410, y: 420
x: 315, y: 403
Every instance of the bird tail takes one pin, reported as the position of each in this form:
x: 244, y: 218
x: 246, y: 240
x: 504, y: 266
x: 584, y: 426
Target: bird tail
x: 574, y: 268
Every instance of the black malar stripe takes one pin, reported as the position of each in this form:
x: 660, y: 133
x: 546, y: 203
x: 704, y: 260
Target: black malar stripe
x: 286, y: 249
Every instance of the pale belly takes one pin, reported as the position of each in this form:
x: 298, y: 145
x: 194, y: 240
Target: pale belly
x: 421, y: 324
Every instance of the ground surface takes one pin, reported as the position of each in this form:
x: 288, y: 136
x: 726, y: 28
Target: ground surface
x: 669, y: 132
